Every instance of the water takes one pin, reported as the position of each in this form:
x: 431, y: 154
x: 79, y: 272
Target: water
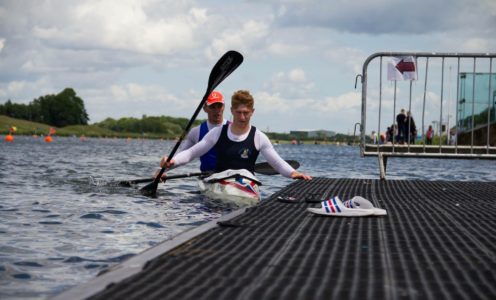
x: 62, y: 221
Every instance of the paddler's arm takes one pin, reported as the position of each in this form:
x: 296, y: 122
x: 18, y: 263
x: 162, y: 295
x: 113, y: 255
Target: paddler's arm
x: 202, y: 147
x: 297, y: 175
x: 191, y: 139
x: 273, y: 158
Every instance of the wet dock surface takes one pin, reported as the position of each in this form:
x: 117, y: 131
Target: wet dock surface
x: 438, y: 241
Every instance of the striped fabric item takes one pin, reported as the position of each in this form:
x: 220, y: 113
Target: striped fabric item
x: 349, y: 204
x: 331, y: 205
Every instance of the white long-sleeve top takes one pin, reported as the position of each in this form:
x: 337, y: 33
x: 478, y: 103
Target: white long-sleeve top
x: 194, y: 135
x: 262, y: 144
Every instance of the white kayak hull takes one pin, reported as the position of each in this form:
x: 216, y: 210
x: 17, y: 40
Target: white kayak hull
x: 239, y: 187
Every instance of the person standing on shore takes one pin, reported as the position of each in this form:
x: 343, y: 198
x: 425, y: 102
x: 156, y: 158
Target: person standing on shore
x: 237, y: 144
x: 429, y: 135
x: 402, y: 130
x: 411, y: 128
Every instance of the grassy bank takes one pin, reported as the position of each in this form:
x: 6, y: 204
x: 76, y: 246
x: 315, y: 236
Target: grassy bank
x: 29, y: 128
x: 25, y: 127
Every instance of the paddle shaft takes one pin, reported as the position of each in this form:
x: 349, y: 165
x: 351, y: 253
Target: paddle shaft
x: 143, y: 180
x: 225, y: 66
x: 261, y: 168
x: 157, y: 179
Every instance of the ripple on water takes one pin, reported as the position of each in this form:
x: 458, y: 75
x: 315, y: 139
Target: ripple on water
x: 150, y: 224
x: 28, y: 264
x: 121, y: 258
x: 50, y: 222
x: 92, y: 216
x: 52, y: 216
x: 112, y: 212
x: 9, y: 209
x: 194, y: 224
x: 74, y: 259
x: 41, y: 210
x: 78, y: 259
x: 96, y: 266
x: 22, y: 276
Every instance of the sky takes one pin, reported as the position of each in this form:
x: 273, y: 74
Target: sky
x: 129, y: 58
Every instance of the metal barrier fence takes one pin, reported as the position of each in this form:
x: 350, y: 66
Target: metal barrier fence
x: 472, y: 135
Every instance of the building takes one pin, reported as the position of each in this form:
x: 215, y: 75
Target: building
x: 476, y: 113
x: 312, y: 134
x: 476, y: 100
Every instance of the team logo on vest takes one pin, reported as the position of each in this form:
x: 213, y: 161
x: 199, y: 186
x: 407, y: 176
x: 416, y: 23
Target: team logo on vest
x: 245, y: 153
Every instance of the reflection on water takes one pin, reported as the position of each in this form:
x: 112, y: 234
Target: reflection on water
x: 62, y: 220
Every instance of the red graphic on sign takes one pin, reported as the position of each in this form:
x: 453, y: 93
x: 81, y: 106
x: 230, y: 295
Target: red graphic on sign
x: 405, y: 66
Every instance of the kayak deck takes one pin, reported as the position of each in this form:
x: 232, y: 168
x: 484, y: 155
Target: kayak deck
x: 437, y: 241
x: 235, y: 187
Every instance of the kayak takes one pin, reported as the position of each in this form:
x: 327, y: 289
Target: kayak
x: 239, y: 187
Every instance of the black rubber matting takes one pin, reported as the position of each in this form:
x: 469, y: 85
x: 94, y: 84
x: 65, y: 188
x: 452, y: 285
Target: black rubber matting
x: 438, y: 241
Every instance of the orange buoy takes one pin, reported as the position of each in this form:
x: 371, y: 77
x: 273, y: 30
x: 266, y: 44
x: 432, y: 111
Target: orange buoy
x: 48, y: 139
x: 9, y: 138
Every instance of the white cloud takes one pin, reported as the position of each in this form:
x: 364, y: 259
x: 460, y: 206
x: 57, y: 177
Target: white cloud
x: 347, y: 59
x: 22, y: 91
x: 476, y: 44
x: 389, y: 16
x: 2, y: 44
x: 292, y: 84
x: 127, y: 27
x: 341, y: 103
x: 266, y: 102
x: 137, y: 93
x: 15, y: 87
x: 135, y: 100
x: 297, y: 75
x: 286, y: 48
x: 242, y: 38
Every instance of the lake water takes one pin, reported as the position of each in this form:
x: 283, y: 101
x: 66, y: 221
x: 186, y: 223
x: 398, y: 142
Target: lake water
x: 62, y: 221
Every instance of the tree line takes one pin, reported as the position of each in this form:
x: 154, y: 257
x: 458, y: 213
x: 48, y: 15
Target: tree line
x: 148, y: 124
x: 62, y: 109
x: 66, y: 108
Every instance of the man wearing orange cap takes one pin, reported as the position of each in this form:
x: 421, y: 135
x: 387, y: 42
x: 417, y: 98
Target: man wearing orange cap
x: 214, y: 107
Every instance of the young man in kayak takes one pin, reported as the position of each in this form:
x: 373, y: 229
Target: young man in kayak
x: 214, y: 107
x: 237, y: 144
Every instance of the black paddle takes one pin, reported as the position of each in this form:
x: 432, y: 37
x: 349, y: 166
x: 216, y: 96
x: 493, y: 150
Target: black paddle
x: 266, y: 169
x: 261, y: 168
x: 129, y: 183
x: 225, y: 66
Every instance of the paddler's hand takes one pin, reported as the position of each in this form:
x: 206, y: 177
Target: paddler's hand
x: 298, y: 175
x: 165, y: 164
x: 162, y: 178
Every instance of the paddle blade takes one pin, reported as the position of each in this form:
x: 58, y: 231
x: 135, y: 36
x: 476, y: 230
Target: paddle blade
x: 229, y: 62
x: 129, y: 183
x: 125, y: 183
x: 150, y: 189
x: 266, y: 169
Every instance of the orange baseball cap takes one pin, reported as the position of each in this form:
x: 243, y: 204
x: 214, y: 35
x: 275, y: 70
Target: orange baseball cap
x: 215, y: 97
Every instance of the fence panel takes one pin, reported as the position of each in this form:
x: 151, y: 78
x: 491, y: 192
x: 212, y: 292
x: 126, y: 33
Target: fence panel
x: 453, y: 95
